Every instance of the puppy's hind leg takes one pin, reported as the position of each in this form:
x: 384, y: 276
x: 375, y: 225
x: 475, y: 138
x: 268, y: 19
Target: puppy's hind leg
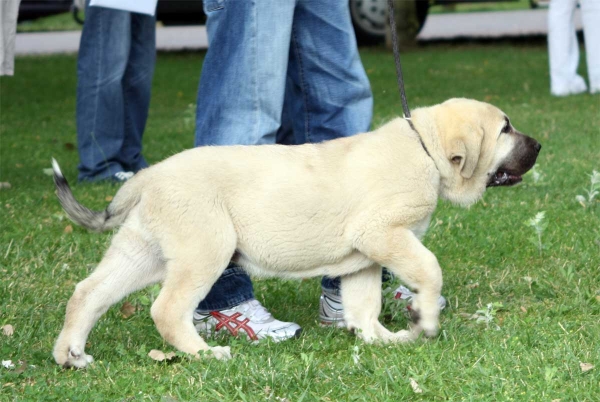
x: 194, y: 266
x: 129, y: 264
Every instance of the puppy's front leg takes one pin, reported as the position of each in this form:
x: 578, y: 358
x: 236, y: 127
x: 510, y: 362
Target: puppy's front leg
x: 361, y: 298
x: 403, y: 254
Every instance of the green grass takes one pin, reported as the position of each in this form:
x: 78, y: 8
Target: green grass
x: 531, y: 351
x: 58, y: 22
x: 481, y: 6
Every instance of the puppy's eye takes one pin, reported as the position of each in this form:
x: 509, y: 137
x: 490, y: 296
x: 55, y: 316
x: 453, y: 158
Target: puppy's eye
x: 506, y: 128
x: 456, y: 159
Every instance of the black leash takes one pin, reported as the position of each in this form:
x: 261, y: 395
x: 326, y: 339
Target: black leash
x: 397, y: 60
x: 405, y: 108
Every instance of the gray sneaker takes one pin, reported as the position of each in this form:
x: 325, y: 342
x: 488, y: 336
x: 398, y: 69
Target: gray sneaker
x: 250, y: 319
x: 404, y: 293
x: 331, y: 311
x: 122, y: 176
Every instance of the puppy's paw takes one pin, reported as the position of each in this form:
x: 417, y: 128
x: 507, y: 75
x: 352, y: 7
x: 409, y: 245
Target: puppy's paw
x: 76, y: 358
x: 221, y: 352
x: 429, y: 329
x: 404, y: 335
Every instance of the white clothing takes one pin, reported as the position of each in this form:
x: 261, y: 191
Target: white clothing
x: 9, y: 10
x: 563, y: 47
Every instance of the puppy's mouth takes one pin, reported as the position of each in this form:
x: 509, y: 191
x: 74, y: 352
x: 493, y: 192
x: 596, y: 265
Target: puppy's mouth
x: 504, y: 178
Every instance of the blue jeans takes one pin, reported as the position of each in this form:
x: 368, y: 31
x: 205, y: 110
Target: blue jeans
x: 115, y: 66
x: 260, y: 54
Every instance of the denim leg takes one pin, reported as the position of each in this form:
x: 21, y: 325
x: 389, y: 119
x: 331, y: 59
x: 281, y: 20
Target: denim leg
x: 240, y: 96
x: 232, y: 288
x: 332, y: 95
x: 242, y: 84
x: 137, y: 83
x: 103, y: 54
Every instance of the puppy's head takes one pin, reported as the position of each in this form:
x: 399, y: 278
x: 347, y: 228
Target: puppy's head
x: 479, y: 148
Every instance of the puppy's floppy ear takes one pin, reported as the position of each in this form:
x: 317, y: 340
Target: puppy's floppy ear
x: 465, y: 152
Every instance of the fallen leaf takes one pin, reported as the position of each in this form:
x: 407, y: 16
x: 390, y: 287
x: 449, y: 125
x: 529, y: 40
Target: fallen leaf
x: 5, y: 185
x: 22, y: 367
x: 8, y: 330
x: 598, y: 298
x: 523, y: 309
x: 585, y: 367
x: 160, y: 356
x: 127, y: 309
x: 68, y: 229
x: 48, y: 172
x: 555, y: 400
x: 69, y: 146
x: 8, y: 364
x: 19, y: 165
x: 473, y: 285
x: 415, y: 387
x: 109, y: 198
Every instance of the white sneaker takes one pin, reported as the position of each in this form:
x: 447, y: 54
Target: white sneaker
x: 250, y: 319
x: 574, y: 87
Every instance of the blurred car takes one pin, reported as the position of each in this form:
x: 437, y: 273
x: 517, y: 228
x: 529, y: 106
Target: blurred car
x: 32, y: 9
x: 368, y: 16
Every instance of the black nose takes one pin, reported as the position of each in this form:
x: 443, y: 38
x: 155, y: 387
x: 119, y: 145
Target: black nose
x: 537, y: 147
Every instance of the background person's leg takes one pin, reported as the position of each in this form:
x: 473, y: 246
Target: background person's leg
x: 103, y: 55
x: 563, y: 49
x: 137, y: 84
x: 590, y: 14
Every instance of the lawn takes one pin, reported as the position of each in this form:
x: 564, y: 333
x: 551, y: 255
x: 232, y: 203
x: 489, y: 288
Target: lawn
x: 543, y: 291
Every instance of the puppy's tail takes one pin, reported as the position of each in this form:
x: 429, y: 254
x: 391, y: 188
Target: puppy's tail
x: 114, y: 215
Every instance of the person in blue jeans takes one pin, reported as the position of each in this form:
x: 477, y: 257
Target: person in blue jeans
x: 115, y: 66
x: 264, y: 55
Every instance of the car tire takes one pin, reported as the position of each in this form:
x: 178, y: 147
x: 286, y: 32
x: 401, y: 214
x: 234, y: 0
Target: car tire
x: 369, y: 18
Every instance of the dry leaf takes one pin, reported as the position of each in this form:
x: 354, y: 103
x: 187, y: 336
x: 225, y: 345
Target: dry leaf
x: 473, y: 285
x: 555, y: 400
x: 109, y: 198
x: 21, y: 368
x: 68, y: 229
x: 48, y: 172
x: 127, y: 309
x: 585, y: 367
x: 523, y: 309
x: 598, y: 298
x: 415, y: 387
x: 8, y: 330
x: 160, y: 356
x: 8, y: 364
x: 5, y: 185
x: 69, y: 146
